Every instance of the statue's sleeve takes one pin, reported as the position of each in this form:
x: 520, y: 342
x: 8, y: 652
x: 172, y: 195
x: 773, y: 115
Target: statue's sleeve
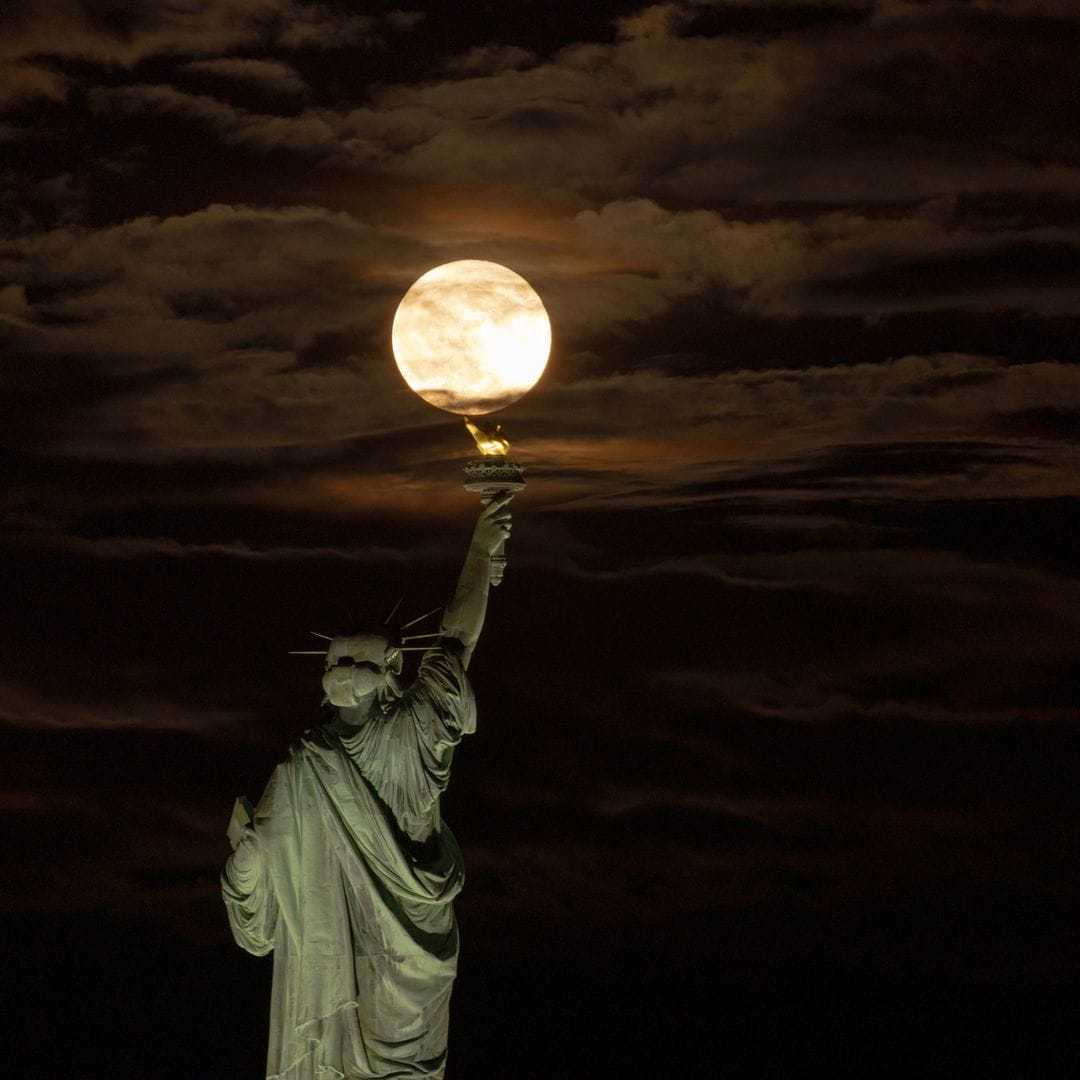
x: 406, y: 754
x: 247, y: 887
x: 441, y: 699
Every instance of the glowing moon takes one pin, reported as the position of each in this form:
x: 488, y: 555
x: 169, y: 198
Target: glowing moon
x: 471, y: 337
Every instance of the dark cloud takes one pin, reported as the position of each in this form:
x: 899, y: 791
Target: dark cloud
x: 839, y: 263
x: 665, y: 111
x: 486, y: 59
x: 20, y: 707
x: 24, y: 82
x: 270, y: 76
x: 129, y: 31
x: 308, y: 133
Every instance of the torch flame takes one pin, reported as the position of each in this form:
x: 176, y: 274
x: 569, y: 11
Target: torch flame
x: 489, y: 443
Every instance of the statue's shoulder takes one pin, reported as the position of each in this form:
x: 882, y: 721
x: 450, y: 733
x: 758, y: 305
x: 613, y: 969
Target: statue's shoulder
x: 322, y: 737
x: 442, y: 664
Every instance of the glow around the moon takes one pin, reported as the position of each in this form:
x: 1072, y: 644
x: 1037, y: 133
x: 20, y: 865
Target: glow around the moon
x: 471, y: 337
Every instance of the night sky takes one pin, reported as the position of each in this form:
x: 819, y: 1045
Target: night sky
x: 778, y: 736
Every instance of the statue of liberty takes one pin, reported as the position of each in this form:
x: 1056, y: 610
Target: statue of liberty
x: 345, y: 869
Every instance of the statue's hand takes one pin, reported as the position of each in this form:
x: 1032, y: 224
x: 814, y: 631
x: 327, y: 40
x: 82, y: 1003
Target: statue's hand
x: 493, y: 525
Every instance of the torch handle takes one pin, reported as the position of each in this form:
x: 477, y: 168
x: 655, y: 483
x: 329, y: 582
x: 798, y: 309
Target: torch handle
x: 497, y: 565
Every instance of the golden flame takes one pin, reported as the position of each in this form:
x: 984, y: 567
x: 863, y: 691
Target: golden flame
x: 489, y: 443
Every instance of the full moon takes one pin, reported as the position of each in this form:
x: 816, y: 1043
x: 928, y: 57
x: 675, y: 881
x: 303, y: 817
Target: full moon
x: 471, y: 337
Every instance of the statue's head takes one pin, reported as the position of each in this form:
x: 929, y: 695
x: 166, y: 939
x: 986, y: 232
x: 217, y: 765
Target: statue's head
x: 360, y: 665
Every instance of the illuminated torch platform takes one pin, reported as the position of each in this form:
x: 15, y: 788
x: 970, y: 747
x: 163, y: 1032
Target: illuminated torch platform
x: 492, y: 475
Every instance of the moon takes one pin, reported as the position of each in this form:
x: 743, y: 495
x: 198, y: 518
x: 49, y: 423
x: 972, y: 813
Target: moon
x: 471, y: 337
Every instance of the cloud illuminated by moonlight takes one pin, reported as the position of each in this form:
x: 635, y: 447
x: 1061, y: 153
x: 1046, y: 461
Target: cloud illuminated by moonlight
x: 471, y: 336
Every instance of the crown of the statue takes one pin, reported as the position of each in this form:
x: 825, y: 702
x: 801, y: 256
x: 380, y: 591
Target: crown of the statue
x: 365, y: 646
x: 382, y: 645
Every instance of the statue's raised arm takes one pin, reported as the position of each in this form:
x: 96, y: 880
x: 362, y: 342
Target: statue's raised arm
x: 464, y: 616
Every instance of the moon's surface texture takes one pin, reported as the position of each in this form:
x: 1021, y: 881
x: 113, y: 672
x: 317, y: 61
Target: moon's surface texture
x: 471, y: 337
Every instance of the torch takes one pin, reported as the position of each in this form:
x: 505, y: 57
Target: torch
x: 472, y: 337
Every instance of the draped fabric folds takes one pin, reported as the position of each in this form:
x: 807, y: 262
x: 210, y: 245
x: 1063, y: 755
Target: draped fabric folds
x: 349, y: 875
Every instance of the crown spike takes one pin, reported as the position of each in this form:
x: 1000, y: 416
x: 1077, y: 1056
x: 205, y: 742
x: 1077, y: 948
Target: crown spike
x: 421, y: 618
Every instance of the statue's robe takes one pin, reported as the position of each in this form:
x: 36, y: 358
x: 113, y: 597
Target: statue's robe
x: 349, y: 875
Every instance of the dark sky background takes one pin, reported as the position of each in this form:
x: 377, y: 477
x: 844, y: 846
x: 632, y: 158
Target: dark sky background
x: 779, y: 739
